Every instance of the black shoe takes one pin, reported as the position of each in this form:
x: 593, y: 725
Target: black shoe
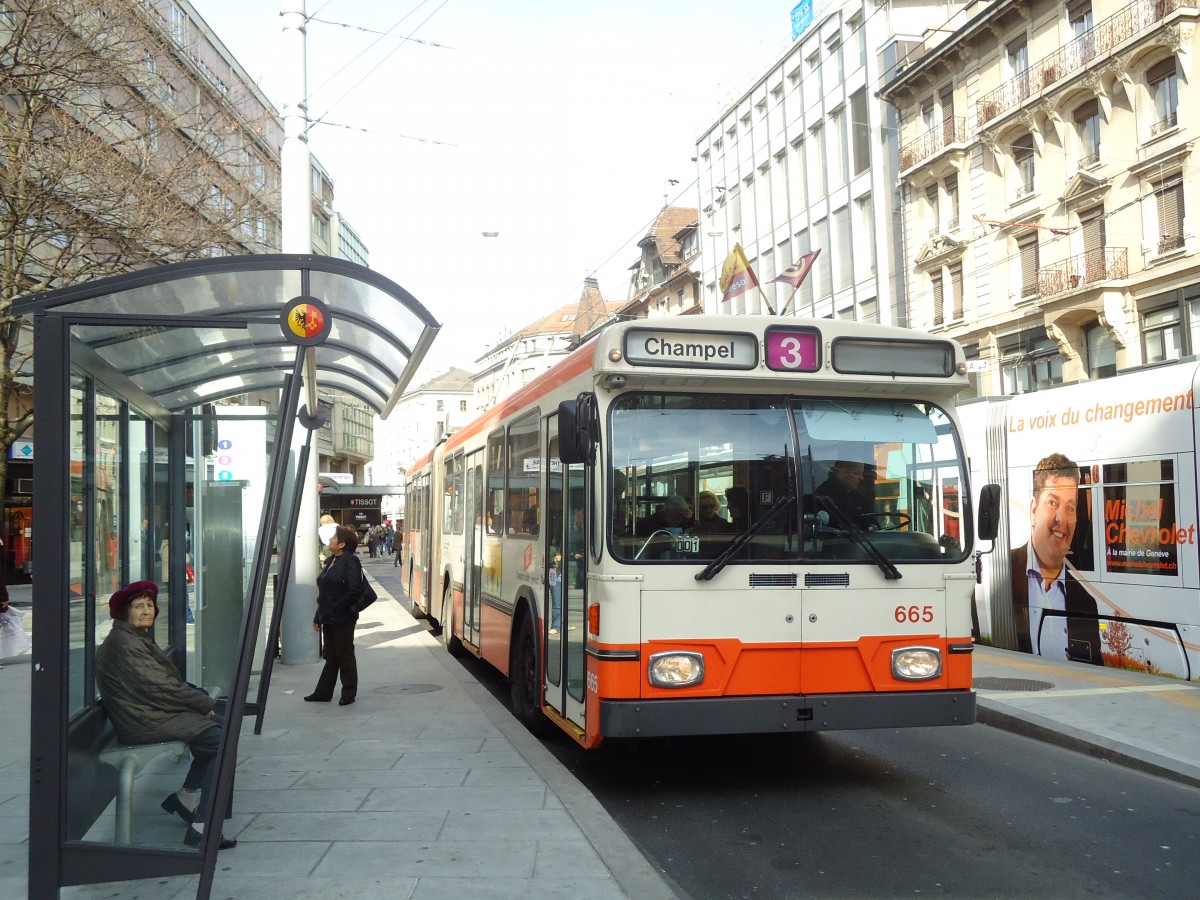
x: 174, y: 805
x: 193, y: 837
x: 345, y: 701
x: 313, y: 698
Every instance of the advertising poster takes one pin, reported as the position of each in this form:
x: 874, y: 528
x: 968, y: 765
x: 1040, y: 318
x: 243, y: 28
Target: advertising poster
x: 1101, y: 556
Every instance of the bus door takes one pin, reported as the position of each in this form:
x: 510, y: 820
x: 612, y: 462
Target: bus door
x: 473, y: 549
x: 566, y: 584
x: 426, y: 537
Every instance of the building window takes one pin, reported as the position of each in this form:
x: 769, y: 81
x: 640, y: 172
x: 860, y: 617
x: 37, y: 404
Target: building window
x: 950, y: 194
x: 1168, y: 197
x: 1027, y: 251
x: 1080, y: 22
x: 462, y: 405
x: 1163, y: 80
x: 938, y: 300
x: 1017, y: 55
x: 1087, y: 126
x: 177, y: 24
x: 1102, y: 353
x: 1033, y: 365
x: 1162, y: 338
x: 861, y: 129
x: 843, y: 250
x: 1023, y: 161
x: 956, y: 291
x: 931, y: 208
x: 441, y: 405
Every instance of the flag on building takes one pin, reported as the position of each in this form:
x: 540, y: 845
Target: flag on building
x: 736, y: 275
x: 798, y: 271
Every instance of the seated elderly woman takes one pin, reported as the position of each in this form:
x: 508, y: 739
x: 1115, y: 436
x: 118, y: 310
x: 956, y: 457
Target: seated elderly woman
x: 148, y: 702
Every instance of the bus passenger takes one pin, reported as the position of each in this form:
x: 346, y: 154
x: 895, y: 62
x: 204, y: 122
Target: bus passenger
x: 737, y: 501
x: 710, y: 520
x: 671, y: 516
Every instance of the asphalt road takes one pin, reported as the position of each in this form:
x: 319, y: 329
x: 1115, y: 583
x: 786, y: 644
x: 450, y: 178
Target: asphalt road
x: 954, y: 812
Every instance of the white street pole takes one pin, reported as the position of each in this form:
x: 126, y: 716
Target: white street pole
x: 298, y: 638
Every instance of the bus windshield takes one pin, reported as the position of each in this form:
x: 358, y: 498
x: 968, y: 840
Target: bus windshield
x: 784, y: 479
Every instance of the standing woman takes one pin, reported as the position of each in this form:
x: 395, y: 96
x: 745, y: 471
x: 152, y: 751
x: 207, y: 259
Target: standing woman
x: 339, y: 590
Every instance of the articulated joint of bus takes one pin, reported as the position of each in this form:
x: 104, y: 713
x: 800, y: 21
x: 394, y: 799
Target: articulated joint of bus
x: 782, y: 714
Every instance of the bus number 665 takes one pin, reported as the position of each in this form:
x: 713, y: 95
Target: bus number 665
x: 914, y: 614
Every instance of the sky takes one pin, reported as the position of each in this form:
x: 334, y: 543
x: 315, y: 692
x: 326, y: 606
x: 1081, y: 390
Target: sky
x: 557, y: 124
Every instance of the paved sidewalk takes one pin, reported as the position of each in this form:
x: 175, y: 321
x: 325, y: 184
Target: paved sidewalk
x: 1142, y: 721
x: 427, y: 788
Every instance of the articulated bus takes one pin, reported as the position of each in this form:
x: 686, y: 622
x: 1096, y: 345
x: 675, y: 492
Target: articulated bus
x: 1131, y: 568
x: 713, y: 525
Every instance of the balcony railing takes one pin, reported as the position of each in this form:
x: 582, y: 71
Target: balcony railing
x: 936, y: 139
x: 1100, y: 264
x: 1101, y: 39
x: 1169, y: 242
x: 1166, y: 123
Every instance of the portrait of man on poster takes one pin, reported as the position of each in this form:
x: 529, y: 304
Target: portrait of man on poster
x: 1054, y: 614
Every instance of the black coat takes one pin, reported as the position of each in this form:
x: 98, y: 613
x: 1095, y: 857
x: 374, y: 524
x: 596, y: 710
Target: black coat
x: 1083, y: 622
x: 339, y: 587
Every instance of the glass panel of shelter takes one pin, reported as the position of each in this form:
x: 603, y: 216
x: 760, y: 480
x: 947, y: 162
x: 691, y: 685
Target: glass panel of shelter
x: 121, y: 506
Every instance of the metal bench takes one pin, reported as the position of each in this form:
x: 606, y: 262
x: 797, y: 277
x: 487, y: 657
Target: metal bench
x: 128, y: 760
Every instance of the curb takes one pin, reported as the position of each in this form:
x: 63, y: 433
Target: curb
x: 1048, y: 731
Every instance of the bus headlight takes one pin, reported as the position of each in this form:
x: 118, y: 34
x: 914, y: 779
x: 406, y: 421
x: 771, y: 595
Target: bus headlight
x: 676, y: 669
x: 917, y: 663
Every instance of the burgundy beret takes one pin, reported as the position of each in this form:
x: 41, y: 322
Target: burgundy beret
x: 125, y: 595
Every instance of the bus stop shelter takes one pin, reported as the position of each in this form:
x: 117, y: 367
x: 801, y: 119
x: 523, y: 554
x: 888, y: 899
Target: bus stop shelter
x: 139, y: 474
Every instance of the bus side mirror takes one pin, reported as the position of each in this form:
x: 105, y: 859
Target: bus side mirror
x: 989, y: 512
x: 577, y: 430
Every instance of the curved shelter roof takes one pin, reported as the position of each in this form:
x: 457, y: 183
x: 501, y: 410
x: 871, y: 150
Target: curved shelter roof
x: 208, y: 329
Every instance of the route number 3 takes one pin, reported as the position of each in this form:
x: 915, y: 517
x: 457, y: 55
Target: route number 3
x: 914, y: 614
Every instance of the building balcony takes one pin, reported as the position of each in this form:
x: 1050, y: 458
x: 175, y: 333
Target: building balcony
x: 951, y: 131
x: 1075, y: 56
x: 1092, y: 267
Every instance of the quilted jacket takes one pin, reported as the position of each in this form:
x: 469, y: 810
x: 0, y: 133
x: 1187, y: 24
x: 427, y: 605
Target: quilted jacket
x: 143, y: 694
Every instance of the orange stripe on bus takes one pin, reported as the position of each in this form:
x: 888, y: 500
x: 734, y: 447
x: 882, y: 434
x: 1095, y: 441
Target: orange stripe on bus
x: 735, y: 669
x: 551, y: 380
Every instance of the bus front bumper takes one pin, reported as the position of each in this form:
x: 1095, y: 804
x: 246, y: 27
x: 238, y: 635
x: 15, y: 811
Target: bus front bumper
x: 781, y: 714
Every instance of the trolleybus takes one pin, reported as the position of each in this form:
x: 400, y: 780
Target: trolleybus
x: 649, y: 539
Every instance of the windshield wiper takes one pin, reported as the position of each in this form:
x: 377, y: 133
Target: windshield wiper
x: 890, y: 572
x: 743, y: 538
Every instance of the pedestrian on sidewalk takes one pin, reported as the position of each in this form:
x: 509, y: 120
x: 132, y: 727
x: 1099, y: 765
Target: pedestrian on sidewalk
x: 340, y: 587
x: 148, y: 702
x: 13, y: 639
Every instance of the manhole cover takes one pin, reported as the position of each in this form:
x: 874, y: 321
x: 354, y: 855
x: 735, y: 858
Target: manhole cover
x: 1010, y: 684
x: 407, y: 688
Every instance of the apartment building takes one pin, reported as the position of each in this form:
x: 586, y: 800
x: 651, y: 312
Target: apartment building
x: 805, y: 159
x: 516, y: 360
x: 1048, y: 190
x: 665, y: 279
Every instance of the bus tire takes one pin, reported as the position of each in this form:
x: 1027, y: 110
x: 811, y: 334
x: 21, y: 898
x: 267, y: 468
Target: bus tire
x: 524, y: 683
x: 453, y: 645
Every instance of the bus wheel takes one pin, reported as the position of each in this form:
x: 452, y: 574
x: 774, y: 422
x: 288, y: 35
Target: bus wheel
x: 523, y: 680
x: 453, y: 645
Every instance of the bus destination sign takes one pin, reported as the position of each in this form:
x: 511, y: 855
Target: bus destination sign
x: 691, y: 349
